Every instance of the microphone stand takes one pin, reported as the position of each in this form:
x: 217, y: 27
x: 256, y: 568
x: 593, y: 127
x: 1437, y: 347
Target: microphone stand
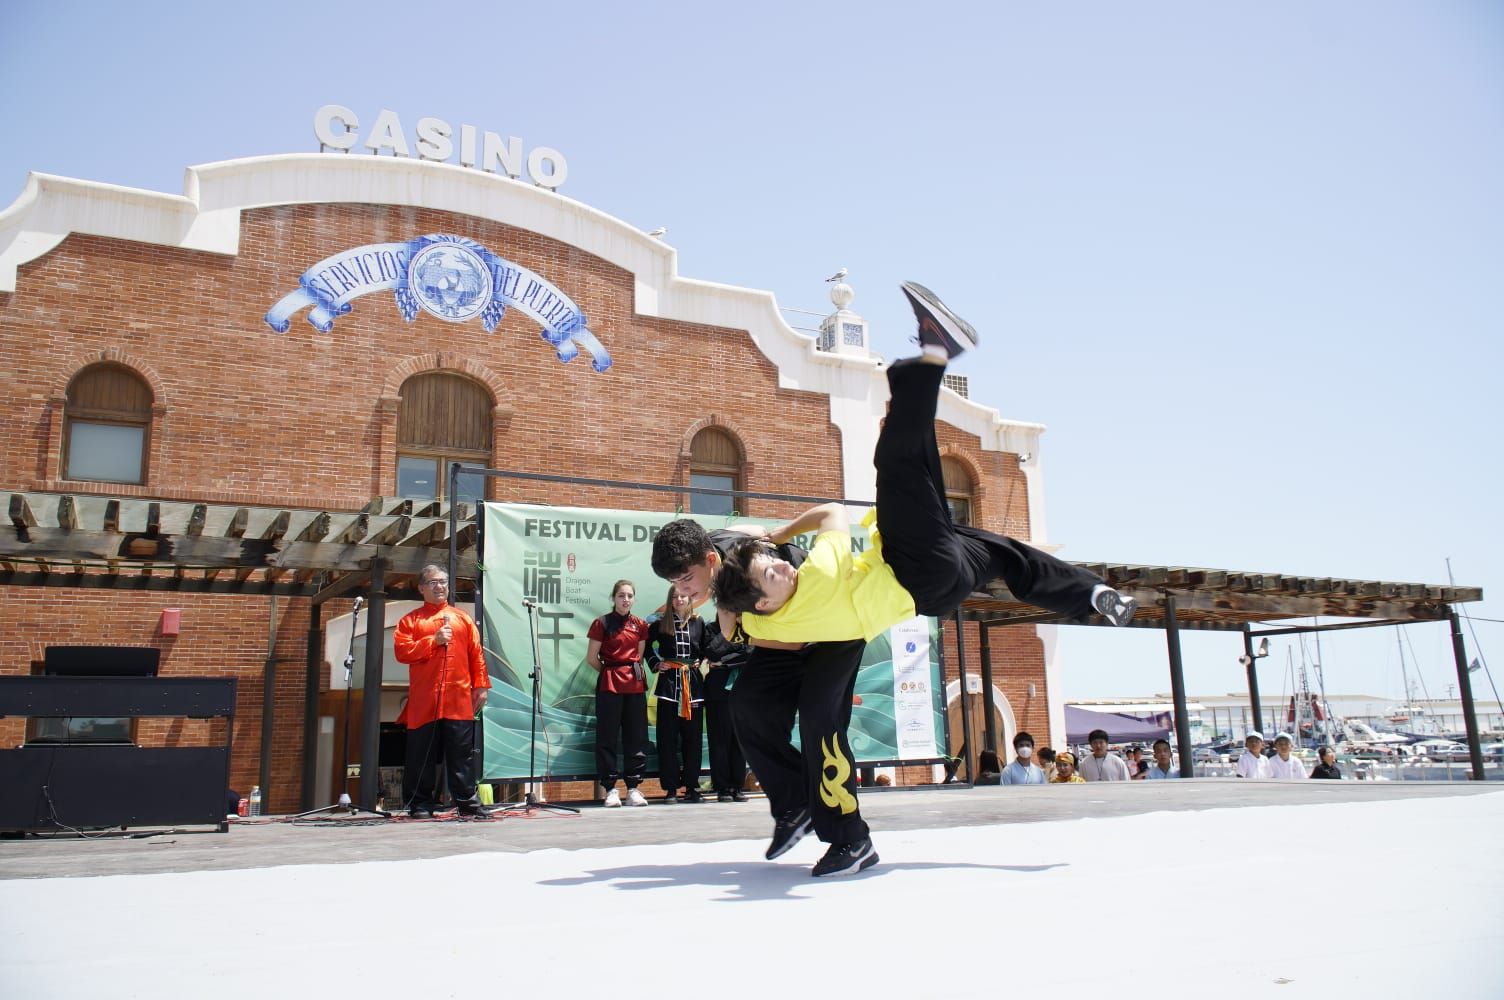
x: 344, y: 805
x: 531, y: 801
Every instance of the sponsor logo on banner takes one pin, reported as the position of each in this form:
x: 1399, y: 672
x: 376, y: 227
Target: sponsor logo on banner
x: 913, y: 700
x: 449, y: 277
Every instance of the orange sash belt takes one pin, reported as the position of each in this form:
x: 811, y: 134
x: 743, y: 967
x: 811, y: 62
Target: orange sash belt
x: 686, y: 708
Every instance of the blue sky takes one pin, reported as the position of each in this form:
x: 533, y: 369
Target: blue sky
x: 1243, y: 260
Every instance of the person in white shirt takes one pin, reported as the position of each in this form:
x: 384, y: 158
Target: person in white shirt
x: 1163, y: 766
x: 1099, y: 766
x: 1283, y: 766
x: 1023, y: 770
x: 1253, y: 764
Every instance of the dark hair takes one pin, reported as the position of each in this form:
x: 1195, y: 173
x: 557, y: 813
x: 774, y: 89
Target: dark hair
x: 1021, y: 738
x: 1326, y: 748
x: 987, y: 762
x: 1046, y: 754
x: 678, y: 546
x: 1098, y: 734
x: 620, y: 584
x: 1159, y: 741
x: 734, y: 589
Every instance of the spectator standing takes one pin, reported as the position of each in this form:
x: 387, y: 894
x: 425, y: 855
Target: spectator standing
x: 1328, y: 767
x: 447, y: 685
x: 1252, y: 763
x: 1163, y: 766
x: 1065, y: 770
x: 1023, y: 770
x: 1137, y: 766
x: 1101, y: 766
x: 728, y: 765
x: 617, y: 639
x: 676, y: 646
x: 1284, y: 766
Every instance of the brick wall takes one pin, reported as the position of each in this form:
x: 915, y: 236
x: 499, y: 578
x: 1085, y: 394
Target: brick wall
x: 306, y: 419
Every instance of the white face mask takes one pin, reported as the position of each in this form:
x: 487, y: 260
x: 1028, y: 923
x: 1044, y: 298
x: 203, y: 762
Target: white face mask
x: 1024, y: 753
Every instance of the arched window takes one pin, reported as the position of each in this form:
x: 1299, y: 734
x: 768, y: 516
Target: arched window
x: 715, y: 463
x: 959, y: 490
x: 443, y: 418
x: 107, y: 425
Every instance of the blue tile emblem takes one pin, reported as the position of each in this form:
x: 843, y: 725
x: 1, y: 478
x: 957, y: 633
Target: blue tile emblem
x: 449, y: 277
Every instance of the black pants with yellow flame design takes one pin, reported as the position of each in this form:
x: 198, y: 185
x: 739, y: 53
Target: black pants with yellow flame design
x: 816, y: 683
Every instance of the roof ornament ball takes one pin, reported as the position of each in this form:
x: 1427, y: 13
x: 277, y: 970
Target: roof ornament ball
x: 840, y: 292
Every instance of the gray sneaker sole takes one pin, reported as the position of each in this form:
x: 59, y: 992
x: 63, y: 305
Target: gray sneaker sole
x: 956, y: 328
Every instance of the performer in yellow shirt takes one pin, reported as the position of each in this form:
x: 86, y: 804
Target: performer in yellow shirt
x: 919, y: 562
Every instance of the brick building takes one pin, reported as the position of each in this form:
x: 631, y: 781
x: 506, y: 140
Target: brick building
x: 145, y: 371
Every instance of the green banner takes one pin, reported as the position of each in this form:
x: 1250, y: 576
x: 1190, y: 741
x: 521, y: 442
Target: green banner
x: 565, y: 560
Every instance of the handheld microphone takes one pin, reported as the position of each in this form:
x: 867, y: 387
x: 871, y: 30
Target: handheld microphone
x: 358, y: 602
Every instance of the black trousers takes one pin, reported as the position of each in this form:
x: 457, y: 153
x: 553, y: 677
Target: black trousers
x: 681, y: 746
x: 940, y: 563
x: 450, y: 742
x: 816, y: 683
x: 624, y: 715
x: 728, y: 765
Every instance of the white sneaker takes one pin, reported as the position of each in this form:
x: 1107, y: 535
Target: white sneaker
x: 613, y: 799
x: 635, y: 798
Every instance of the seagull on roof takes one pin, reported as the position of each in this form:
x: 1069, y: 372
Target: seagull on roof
x: 659, y: 232
x: 838, y: 276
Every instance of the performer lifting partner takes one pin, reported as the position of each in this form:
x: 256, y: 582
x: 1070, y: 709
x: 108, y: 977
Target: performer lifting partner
x: 447, y: 685
x: 812, y: 787
x: 919, y: 562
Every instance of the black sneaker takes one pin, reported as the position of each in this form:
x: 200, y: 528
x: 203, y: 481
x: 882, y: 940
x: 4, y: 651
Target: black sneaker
x: 723, y: 796
x: 939, y: 326
x: 468, y: 811
x: 671, y: 799
x: 846, y: 859
x: 694, y: 795
x: 418, y: 812
x: 1115, y: 607
x: 737, y: 795
x: 789, y: 831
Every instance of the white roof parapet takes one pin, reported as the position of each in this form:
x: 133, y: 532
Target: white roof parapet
x: 207, y: 218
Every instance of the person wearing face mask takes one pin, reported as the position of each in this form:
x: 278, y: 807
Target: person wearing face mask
x: 617, y: 639
x: 1023, y: 770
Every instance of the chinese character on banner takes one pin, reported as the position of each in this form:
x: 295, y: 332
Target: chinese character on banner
x: 541, y: 579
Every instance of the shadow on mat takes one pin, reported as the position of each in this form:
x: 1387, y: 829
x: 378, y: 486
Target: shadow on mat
x: 759, y: 879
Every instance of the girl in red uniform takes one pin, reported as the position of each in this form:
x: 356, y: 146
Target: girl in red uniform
x: 621, y: 702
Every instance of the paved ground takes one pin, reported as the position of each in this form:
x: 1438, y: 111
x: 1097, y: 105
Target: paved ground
x: 274, y: 841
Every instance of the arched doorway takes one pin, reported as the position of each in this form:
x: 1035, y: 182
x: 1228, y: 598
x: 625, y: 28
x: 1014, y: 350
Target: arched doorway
x: 974, y: 736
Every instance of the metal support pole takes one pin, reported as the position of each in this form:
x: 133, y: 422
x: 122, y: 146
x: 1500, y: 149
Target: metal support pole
x: 988, y: 706
x: 268, y: 708
x: 1177, y: 687
x: 311, y: 707
x: 1253, y: 681
x: 370, y: 705
x: 1465, y: 690
x: 961, y: 683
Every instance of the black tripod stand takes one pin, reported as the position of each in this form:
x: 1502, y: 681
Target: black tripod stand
x: 532, y: 802
x: 344, y: 805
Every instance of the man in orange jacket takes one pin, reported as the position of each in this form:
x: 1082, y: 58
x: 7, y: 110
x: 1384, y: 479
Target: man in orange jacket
x: 447, y: 685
